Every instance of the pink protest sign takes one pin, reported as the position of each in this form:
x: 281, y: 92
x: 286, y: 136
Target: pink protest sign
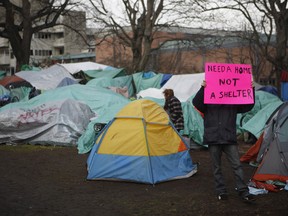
x: 228, y: 84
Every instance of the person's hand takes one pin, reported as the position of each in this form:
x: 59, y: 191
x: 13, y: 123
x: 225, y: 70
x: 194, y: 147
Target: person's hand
x: 252, y: 84
x: 204, y: 83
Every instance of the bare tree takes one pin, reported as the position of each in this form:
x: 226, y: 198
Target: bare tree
x: 268, y: 23
x: 19, y: 20
x: 134, y: 23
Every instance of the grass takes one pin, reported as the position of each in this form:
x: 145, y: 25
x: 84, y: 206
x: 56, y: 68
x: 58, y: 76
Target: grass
x: 26, y: 147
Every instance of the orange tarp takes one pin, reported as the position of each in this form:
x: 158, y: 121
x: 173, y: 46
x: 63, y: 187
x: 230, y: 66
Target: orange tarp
x: 252, y: 152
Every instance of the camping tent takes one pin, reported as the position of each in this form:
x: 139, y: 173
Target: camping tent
x: 36, y: 119
x: 140, y: 145
x: 184, y: 86
x: 45, y: 79
x: 272, y: 149
x: 76, y: 67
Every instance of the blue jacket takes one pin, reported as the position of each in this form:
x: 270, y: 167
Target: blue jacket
x: 219, y: 119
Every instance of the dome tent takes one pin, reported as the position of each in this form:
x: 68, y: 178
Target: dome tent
x: 140, y: 145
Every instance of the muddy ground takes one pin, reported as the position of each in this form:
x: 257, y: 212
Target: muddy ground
x: 46, y: 180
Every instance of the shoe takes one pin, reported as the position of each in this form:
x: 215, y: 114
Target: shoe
x: 222, y: 196
x: 249, y: 198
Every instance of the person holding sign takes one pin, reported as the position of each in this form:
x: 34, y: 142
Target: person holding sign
x: 220, y: 136
x: 174, y: 109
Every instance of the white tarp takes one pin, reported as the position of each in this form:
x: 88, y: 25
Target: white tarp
x: 83, y: 66
x: 45, y: 79
x: 54, y: 122
x: 184, y: 87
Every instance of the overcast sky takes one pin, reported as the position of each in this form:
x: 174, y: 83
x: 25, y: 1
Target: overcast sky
x: 224, y: 19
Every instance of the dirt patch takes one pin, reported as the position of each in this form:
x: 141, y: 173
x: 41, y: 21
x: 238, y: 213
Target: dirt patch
x: 37, y: 180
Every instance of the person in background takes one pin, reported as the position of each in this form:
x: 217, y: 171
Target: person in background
x: 220, y: 136
x: 174, y: 109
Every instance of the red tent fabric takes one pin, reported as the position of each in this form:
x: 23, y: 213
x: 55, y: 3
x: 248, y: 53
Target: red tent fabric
x: 6, y: 81
x: 252, y: 152
x: 284, y: 76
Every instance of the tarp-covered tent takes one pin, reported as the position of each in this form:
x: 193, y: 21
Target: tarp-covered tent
x: 46, y: 79
x: 30, y: 68
x: 184, y: 87
x: 99, y: 100
x: 18, y: 88
x: 193, y: 126
x: 118, y: 82
x: 67, y: 81
x: 4, y: 91
x: 272, y: 150
x: 110, y: 73
x: 254, y: 121
x: 140, y: 145
x: 284, y: 91
x: 76, y: 67
x: 145, y: 80
x: 53, y: 123
x: 15, y: 81
x: 2, y: 74
x: 270, y: 89
x: 85, y: 71
x: 86, y: 140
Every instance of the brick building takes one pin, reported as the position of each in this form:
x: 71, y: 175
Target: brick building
x: 185, y: 50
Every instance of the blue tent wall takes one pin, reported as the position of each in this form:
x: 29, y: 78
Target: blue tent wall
x: 284, y: 91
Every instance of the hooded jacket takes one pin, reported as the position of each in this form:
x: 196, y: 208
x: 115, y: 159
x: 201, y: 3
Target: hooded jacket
x: 219, y: 119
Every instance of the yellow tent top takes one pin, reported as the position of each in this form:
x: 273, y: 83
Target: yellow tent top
x: 146, y: 109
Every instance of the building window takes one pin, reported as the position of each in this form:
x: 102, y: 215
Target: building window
x: 4, y: 51
x: 42, y: 35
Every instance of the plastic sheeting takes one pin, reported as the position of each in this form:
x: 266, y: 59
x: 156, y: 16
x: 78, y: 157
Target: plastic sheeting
x: 184, y: 87
x: 54, y: 122
x: 110, y: 73
x: 3, y: 91
x: 2, y: 74
x: 87, y: 139
x: 255, y: 120
x: 100, y: 101
x: 45, y: 79
x: 120, y: 82
x: 74, y: 68
x: 143, y: 82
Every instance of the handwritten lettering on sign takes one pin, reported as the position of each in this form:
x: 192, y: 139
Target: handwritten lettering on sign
x: 228, y: 84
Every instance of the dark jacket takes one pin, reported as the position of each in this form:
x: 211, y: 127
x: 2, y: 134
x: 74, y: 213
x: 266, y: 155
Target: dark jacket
x: 219, y: 119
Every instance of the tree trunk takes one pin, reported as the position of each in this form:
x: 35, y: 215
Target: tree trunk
x: 146, y: 54
x: 20, y: 46
x: 27, y: 32
x: 281, y: 50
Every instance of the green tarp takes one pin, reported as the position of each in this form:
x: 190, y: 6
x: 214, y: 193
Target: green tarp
x: 110, y: 73
x: 99, y: 99
x: 2, y: 74
x: 255, y: 120
x: 105, y: 82
x: 144, y: 81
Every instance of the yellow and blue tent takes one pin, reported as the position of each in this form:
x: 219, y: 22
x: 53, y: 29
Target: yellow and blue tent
x: 140, y: 144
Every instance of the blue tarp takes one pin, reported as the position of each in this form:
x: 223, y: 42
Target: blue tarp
x: 284, y: 91
x: 269, y: 89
